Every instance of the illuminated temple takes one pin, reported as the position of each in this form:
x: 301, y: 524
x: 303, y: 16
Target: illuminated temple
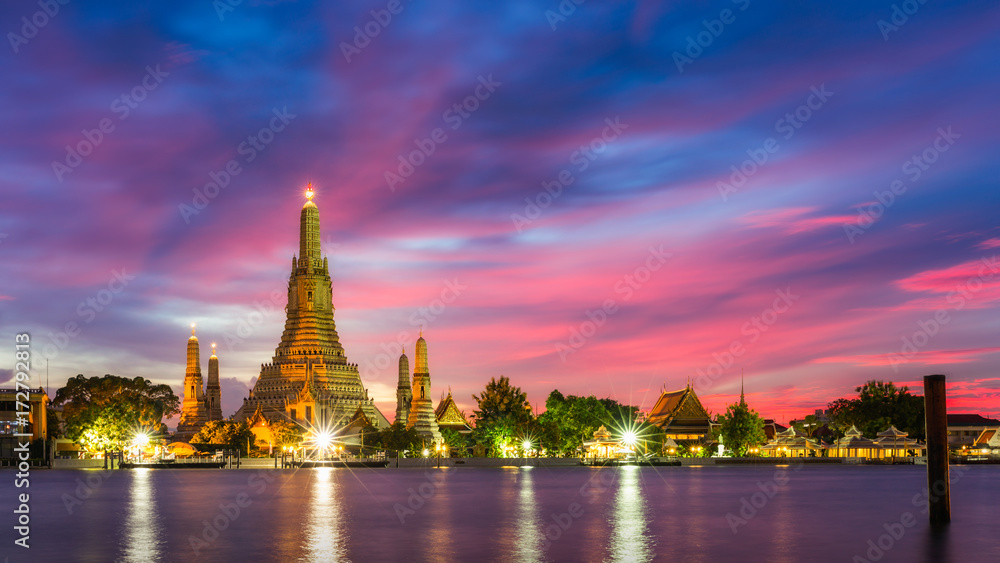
x: 681, y: 416
x: 200, y: 405
x: 309, y: 380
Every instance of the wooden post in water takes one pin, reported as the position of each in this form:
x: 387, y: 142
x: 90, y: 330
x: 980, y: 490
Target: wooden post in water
x: 936, y: 423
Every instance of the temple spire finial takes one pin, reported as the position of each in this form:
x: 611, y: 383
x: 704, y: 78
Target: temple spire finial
x: 742, y: 399
x: 192, y: 329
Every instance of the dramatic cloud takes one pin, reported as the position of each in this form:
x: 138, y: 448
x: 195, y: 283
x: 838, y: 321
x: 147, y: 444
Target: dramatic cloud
x: 802, y: 185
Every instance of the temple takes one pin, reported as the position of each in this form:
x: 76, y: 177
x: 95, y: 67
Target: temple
x: 213, y: 391
x: 193, y: 413
x: 449, y: 416
x: 681, y: 416
x: 404, y: 394
x: 309, y: 380
x: 422, y: 417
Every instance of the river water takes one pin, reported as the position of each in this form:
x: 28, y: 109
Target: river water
x: 742, y: 513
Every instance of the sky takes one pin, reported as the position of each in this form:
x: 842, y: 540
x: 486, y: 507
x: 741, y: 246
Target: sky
x: 605, y: 198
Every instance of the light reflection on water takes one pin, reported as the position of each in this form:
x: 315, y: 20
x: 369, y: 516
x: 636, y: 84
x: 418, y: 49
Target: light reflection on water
x: 528, y: 527
x: 630, y: 540
x: 141, y: 535
x: 326, y: 540
x: 628, y: 513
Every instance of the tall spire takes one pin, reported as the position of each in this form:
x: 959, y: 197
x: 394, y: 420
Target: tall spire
x: 309, y: 377
x: 193, y: 415
x: 404, y: 393
x: 309, y: 239
x: 193, y: 355
x: 404, y: 370
x: 421, y: 365
x: 743, y: 400
x: 422, y: 417
x: 213, y: 391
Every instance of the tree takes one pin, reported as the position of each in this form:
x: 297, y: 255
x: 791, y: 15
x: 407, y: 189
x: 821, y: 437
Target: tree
x: 286, y: 433
x: 878, y: 405
x: 741, y: 428
x: 622, y: 415
x: 568, y: 421
x: 458, y: 444
x: 503, y: 416
x: 398, y: 438
x: 229, y: 433
x: 106, y: 412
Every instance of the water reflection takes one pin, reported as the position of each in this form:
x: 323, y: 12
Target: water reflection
x: 527, y: 526
x: 325, y: 537
x: 630, y: 540
x: 142, y: 533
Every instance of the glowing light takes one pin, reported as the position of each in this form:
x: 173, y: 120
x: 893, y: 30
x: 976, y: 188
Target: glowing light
x: 323, y: 439
x: 425, y: 452
x: 526, y: 445
x: 141, y: 440
x: 630, y: 437
x: 310, y: 192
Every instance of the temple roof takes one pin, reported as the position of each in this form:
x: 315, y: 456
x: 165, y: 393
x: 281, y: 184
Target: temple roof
x: 790, y: 432
x: 602, y: 433
x: 988, y: 437
x: 892, y: 432
x: 679, y: 409
x: 448, y: 415
x: 359, y: 419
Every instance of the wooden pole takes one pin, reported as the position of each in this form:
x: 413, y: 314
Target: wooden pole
x: 936, y: 423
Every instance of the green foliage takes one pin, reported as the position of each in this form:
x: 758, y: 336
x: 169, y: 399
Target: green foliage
x: 878, y: 405
x: 286, y: 433
x: 503, y: 416
x: 741, y: 428
x: 622, y: 416
x: 502, y: 402
x: 458, y: 445
x: 398, y: 438
x: 106, y: 412
x: 568, y: 421
x: 228, y: 433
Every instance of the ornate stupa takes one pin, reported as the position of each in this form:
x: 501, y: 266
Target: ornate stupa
x: 193, y: 415
x: 404, y: 394
x: 422, y: 416
x: 213, y: 392
x: 309, y: 380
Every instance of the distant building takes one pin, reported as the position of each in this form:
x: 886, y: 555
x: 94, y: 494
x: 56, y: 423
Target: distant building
x: 988, y: 441
x: 34, y: 422
x: 772, y: 428
x: 421, y: 417
x: 681, y: 416
x: 193, y: 412
x: 199, y: 405
x: 963, y: 429
x: 404, y: 394
x: 791, y: 443
x: 604, y: 446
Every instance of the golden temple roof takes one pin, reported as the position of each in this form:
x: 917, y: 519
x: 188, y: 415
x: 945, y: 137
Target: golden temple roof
x: 679, y: 408
x: 448, y: 414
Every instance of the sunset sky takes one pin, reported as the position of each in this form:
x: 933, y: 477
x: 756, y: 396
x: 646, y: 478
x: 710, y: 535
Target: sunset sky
x: 798, y: 266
